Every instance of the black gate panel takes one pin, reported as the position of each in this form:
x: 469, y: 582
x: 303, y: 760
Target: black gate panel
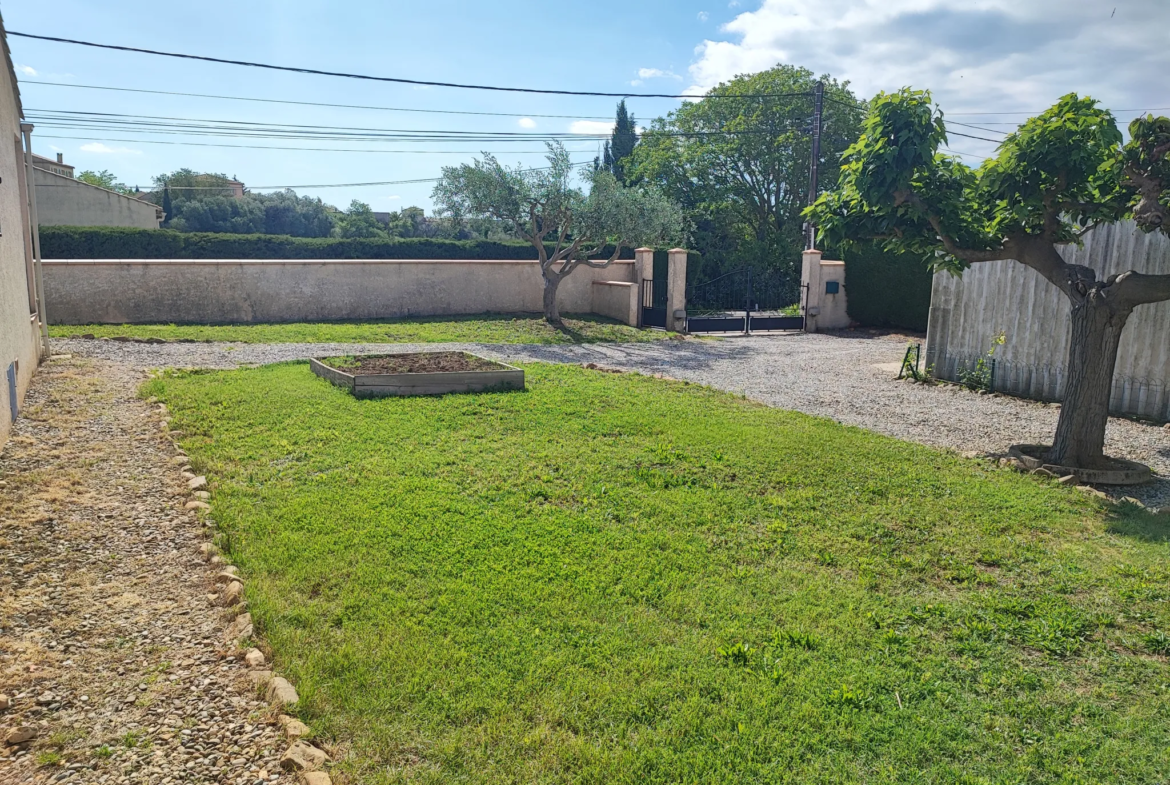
x: 761, y: 323
x: 654, y: 303
x: 744, y: 301
x: 717, y: 324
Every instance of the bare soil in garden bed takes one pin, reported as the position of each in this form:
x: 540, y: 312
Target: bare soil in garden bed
x: 428, y: 362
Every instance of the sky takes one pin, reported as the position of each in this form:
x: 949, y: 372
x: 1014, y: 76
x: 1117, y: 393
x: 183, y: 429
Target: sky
x: 988, y: 63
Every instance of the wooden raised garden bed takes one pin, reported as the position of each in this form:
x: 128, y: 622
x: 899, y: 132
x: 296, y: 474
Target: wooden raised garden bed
x: 429, y: 373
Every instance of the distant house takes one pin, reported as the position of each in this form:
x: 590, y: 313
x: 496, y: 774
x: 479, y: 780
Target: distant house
x: 56, y: 167
x: 63, y: 200
x: 23, y: 338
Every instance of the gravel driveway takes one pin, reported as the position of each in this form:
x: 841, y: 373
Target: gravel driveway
x: 825, y: 375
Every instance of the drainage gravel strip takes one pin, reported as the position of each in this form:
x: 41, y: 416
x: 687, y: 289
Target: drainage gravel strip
x: 848, y: 378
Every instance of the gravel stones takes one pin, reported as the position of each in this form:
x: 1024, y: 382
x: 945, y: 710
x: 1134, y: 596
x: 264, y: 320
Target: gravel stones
x: 106, y: 637
x: 5, y: 702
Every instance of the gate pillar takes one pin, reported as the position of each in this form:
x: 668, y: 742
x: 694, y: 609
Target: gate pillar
x: 676, y: 291
x: 823, y: 293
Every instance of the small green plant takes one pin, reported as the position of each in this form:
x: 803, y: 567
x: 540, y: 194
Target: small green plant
x: 103, y: 752
x: 50, y: 758
x: 982, y: 376
x: 135, y: 738
x: 739, y: 655
x: 1157, y: 643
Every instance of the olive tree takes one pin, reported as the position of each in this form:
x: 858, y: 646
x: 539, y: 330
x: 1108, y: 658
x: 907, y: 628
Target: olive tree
x: 1053, y: 180
x: 568, y: 227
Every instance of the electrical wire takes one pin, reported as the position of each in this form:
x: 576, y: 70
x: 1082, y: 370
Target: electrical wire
x: 317, y: 103
x: 396, y: 80
x: 303, y: 149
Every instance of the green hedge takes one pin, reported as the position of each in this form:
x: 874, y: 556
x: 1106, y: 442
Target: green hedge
x: 108, y: 242
x: 887, y: 289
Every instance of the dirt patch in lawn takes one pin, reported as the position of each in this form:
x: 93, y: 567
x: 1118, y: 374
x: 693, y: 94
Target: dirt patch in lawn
x: 427, y: 362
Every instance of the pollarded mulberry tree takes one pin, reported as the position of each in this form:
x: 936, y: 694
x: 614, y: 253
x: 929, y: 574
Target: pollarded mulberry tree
x: 1054, y: 179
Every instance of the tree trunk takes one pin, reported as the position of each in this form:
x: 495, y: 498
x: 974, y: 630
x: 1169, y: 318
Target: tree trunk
x: 1080, y: 433
x: 551, y: 314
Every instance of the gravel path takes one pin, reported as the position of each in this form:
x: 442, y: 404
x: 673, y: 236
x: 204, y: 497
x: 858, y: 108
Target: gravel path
x: 111, y: 655
x: 825, y: 375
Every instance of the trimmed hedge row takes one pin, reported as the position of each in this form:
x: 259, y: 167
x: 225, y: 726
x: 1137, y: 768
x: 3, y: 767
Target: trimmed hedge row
x: 115, y: 242
x: 888, y: 289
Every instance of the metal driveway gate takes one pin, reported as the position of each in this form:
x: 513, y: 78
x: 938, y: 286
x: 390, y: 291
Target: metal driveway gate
x: 745, y: 301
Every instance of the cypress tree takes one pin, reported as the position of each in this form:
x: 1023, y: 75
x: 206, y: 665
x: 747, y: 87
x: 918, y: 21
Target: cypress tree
x: 622, y: 143
x: 166, y: 205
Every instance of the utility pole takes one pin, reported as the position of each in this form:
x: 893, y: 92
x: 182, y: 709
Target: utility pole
x: 817, y: 123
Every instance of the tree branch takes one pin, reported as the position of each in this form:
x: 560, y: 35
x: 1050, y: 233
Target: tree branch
x: 1140, y: 289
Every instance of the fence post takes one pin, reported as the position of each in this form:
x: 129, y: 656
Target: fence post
x: 676, y: 291
x: 643, y: 271
x: 810, y: 292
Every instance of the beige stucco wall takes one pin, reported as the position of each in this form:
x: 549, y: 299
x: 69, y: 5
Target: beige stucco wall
x: 241, y: 291
x: 19, y: 340
x: 617, y: 300
x: 63, y: 201
x: 823, y: 311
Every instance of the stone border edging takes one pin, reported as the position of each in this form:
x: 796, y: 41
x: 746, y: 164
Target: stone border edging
x: 301, y: 757
x: 1134, y: 474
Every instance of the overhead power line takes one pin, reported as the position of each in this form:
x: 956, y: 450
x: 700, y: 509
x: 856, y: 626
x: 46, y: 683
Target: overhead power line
x: 303, y: 149
x: 318, y: 103
x: 392, y: 79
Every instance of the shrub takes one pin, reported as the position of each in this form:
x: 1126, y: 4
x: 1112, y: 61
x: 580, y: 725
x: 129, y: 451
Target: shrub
x: 111, y: 242
x: 887, y: 289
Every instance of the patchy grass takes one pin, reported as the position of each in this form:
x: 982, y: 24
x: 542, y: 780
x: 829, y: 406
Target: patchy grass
x: 481, y: 328
x: 616, y: 579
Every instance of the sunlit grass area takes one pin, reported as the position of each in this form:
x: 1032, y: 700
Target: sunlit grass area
x: 610, y: 578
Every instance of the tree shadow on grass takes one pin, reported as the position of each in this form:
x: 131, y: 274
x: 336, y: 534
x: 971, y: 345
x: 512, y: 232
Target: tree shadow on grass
x: 1129, y: 520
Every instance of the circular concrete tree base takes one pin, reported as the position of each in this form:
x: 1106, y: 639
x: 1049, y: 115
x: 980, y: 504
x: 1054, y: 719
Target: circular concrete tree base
x: 1122, y: 472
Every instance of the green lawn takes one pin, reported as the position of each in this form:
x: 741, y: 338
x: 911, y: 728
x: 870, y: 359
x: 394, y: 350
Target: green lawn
x: 617, y: 579
x: 480, y: 328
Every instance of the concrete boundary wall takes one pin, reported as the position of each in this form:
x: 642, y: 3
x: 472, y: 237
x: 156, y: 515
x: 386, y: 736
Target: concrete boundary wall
x: 967, y: 313
x: 618, y: 300
x: 240, y: 291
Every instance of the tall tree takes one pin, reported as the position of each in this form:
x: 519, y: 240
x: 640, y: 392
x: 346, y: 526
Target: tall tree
x: 103, y: 179
x: 621, y: 144
x: 1054, y: 179
x: 167, y: 205
x: 739, y: 162
x: 568, y: 227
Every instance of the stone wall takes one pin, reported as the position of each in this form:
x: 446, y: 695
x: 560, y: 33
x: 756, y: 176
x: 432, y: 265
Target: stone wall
x: 241, y: 291
x: 63, y: 201
x: 617, y: 300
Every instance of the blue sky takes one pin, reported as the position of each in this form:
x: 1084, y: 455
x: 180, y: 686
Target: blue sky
x: 976, y: 55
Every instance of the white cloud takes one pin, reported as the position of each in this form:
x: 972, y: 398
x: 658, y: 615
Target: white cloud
x: 27, y: 70
x: 996, y: 55
x: 656, y: 73
x: 593, y: 127
x: 733, y: 4
x: 704, y: 16
x: 527, y: 122
x: 98, y: 147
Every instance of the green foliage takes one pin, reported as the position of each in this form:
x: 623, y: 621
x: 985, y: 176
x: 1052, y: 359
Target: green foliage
x: 482, y: 589
x: 545, y: 208
x: 887, y: 288
x: 982, y: 375
x: 620, y: 147
x: 101, y: 242
x: 740, y: 167
x: 359, y: 222
x: 103, y: 179
x: 1055, y: 175
x: 480, y: 328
